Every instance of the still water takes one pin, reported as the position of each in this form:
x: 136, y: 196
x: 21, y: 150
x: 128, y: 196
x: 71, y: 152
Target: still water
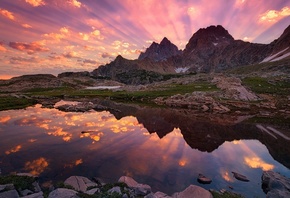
x: 163, y: 148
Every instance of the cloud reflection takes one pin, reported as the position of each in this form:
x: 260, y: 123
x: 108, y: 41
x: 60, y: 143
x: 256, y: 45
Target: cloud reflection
x: 13, y: 150
x: 256, y: 162
x: 36, y: 167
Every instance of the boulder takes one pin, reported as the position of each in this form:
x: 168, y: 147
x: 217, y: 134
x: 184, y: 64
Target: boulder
x: 275, y: 185
x: 34, y: 195
x: 140, y: 189
x: 64, y: 193
x: 240, y: 177
x: 203, y: 179
x: 79, y: 183
x: 9, y: 193
x: 193, y: 191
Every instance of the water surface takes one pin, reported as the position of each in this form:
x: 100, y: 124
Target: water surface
x: 163, y: 148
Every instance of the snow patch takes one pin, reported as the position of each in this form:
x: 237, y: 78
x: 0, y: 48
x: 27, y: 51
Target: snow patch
x: 215, y: 44
x: 280, y: 57
x: 181, y: 69
x: 274, y: 56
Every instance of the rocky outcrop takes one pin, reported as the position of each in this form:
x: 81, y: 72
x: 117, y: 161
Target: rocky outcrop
x: 160, y: 52
x: 275, y: 185
x: 193, y: 191
x: 195, y: 100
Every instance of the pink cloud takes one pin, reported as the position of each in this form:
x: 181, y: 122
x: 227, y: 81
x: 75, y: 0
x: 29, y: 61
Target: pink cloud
x: 7, y: 14
x: 30, y: 48
x: 35, y: 3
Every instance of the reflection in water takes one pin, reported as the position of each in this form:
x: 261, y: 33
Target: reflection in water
x: 164, y: 148
x: 13, y: 150
x: 36, y: 167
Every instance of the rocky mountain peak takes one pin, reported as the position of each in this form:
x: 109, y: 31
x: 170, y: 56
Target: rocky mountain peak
x: 159, y: 52
x: 210, y: 36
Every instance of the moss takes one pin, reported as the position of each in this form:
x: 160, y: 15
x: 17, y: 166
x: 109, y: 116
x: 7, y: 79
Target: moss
x: 265, y: 86
x: 20, y: 182
x: 225, y: 195
x: 9, y: 102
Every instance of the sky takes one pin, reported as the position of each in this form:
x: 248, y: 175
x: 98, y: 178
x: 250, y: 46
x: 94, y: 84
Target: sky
x: 55, y: 36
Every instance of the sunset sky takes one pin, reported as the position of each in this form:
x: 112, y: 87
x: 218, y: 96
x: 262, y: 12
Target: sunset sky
x: 54, y: 36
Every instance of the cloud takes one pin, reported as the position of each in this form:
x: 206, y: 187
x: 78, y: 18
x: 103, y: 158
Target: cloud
x: 97, y: 34
x: 106, y: 55
x: 7, y: 14
x: 273, y: 16
x: 13, y: 150
x: 26, y: 25
x: 90, y: 61
x: 36, y: 166
x: 64, y: 31
x: 35, y: 3
x: 75, y: 3
x: 30, y: 48
x: 71, y: 54
x: 2, y: 48
x: 22, y: 60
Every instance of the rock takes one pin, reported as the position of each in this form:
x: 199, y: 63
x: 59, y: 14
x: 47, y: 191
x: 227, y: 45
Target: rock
x: 36, y: 187
x: 26, y: 192
x: 9, y: 194
x: 79, y: 183
x: 64, y: 193
x: 26, y: 174
x: 157, y: 195
x: 193, y: 191
x: 7, y: 187
x: 203, y: 179
x: 92, y: 191
x: 115, y: 189
x: 240, y: 177
x: 35, y: 195
x: 275, y: 185
x: 140, y: 189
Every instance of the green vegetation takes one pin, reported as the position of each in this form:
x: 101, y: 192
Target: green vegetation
x: 20, y: 182
x: 144, y: 96
x: 263, y: 85
x: 10, y: 102
x: 282, y: 65
x: 225, y: 195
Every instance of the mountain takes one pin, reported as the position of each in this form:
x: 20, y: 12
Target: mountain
x: 210, y: 49
x: 160, y: 52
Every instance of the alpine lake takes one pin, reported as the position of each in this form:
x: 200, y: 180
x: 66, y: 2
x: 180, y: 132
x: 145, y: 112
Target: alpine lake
x: 163, y: 147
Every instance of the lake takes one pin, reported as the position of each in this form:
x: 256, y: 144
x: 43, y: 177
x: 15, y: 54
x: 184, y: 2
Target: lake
x: 164, y: 148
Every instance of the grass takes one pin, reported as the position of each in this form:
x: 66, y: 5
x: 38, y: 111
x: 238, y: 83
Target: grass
x: 20, y: 182
x: 144, y: 96
x: 225, y: 195
x: 10, y: 102
x: 265, y: 86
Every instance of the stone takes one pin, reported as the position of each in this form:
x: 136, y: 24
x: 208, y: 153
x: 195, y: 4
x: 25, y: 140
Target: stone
x: 7, y: 187
x: 157, y: 195
x: 275, y: 185
x: 36, y: 187
x: 203, y: 179
x: 35, y: 195
x: 92, y: 191
x: 140, y: 189
x: 79, y: 183
x: 9, y: 194
x: 193, y: 191
x: 26, y: 192
x: 64, y: 193
x: 115, y: 189
x: 240, y: 177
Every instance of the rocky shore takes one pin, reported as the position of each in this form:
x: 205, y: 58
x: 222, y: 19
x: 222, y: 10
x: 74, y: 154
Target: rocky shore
x: 273, y: 184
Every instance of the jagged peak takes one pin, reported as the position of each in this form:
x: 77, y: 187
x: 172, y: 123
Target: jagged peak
x: 165, y: 40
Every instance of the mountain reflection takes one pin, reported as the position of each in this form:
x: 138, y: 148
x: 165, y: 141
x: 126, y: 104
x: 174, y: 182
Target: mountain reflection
x: 166, y: 148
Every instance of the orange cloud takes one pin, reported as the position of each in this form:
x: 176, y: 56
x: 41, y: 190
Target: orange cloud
x: 84, y: 36
x: 26, y: 25
x: 7, y: 14
x: 97, y: 34
x: 30, y: 48
x: 75, y: 3
x: 36, y: 166
x: 4, y: 119
x: 272, y: 16
x: 13, y: 150
x: 59, y: 132
x: 256, y: 162
x: 2, y: 48
x: 71, y: 54
x: 79, y: 161
x: 35, y: 3
x: 64, y: 31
